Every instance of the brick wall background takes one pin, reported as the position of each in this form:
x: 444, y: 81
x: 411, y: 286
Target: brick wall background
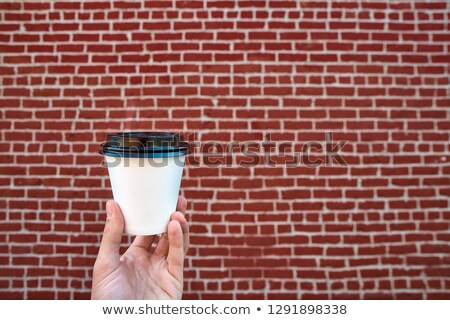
x: 373, y: 73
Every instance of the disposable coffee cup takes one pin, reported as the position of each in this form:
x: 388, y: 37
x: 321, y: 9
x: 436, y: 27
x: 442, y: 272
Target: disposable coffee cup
x: 145, y: 170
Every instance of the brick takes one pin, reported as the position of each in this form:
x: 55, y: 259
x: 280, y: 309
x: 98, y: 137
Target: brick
x: 67, y: 5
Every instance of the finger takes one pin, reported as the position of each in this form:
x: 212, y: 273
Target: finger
x: 162, y: 248
x: 143, y: 242
x: 175, y: 258
x: 184, y: 228
x: 112, y: 234
x: 182, y: 204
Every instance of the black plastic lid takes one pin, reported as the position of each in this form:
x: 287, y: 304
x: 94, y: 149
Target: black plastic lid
x: 144, y: 145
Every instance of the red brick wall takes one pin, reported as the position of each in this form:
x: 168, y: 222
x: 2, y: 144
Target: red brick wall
x: 373, y: 73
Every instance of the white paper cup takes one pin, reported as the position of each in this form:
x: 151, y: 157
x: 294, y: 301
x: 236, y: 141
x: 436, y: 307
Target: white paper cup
x: 145, y: 180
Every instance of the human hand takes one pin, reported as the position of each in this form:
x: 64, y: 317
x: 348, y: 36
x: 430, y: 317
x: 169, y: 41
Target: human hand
x: 138, y: 273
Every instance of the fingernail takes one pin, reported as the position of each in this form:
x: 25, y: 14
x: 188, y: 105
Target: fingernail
x: 109, y: 210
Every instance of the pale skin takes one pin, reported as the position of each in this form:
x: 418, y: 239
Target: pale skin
x: 141, y: 273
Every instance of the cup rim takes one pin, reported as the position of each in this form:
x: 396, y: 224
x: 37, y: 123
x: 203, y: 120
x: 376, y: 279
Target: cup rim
x: 139, y: 145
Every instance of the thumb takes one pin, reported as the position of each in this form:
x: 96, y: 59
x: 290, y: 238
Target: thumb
x: 112, y: 234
